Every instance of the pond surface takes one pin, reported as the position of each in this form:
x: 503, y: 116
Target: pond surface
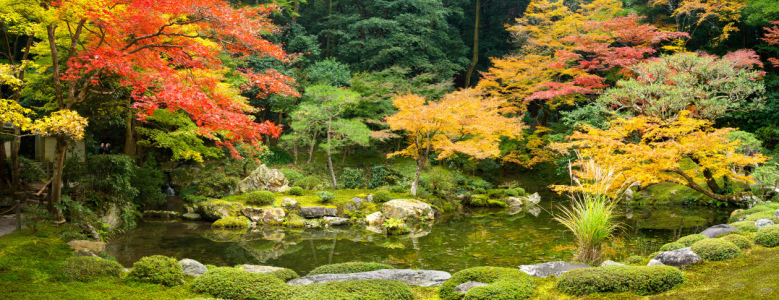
x: 473, y: 237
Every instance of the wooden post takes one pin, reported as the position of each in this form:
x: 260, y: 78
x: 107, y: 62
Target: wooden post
x: 18, y: 214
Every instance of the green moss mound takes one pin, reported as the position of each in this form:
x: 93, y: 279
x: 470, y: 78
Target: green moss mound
x: 767, y: 209
x: 510, y: 193
x: 768, y: 236
x: 349, y: 267
x: 645, y: 280
x: 260, y: 198
x: 687, y: 241
x: 89, y: 268
x: 635, y: 260
x: 745, y: 226
x: 295, y: 191
x: 157, y: 269
x: 355, y: 290
x: 308, y: 182
x: 503, y: 284
x: 382, y: 196
x: 231, y: 222
x: 715, y: 249
x: 284, y: 274
x: 672, y: 246
x: 237, y: 284
x: 740, y: 241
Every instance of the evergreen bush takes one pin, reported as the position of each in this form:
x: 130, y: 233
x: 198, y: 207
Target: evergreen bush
x: 157, y: 269
x: 352, y: 178
x: 308, y: 182
x: 672, y: 246
x: 355, y: 290
x: 291, y: 175
x: 260, y: 198
x: 644, y: 280
x: 503, y: 283
x: 715, y: 249
x: 381, y: 196
x: 89, y: 268
x: 687, y: 241
x: 325, y: 196
x: 742, y: 242
x: 295, y: 191
x: 237, y: 284
x: 768, y: 236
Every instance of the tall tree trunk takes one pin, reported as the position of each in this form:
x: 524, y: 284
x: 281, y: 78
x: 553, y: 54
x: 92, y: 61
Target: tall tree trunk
x: 56, y: 182
x: 475, y: 58
x: 732, y: 199
x: 295, y: 9
x: 415, y: 183
x: 3, y: 165
x: 329, y: 157
x: 311, y: 149
x: 129, y: 134
x: 16, y: 143
x: 295, y: 152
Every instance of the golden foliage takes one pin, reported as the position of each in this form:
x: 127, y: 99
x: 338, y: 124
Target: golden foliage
x: 690, y: 14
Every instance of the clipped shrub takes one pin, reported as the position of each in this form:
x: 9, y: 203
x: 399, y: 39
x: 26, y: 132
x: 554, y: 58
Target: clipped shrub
x: 760, y: 211
x: 295, y: 191
x: 89, y: 268
x: 381, y: 196
x: 325, y: 196
x: 157, y: 269
x: 260, y: 198
x: 687, y: 241
x: 715, y: 249
x: 740, y: 241
x: 308, y: 182
x: 237, y: 284
x: 635, y: 260
x: 349, y: 267
x: 291, y: 175
x: 503, y: 283
x: 644, y: 280
x: 356, y: 290
x: 232, y: 222
x: 479, y: 191
x: 748, y: 226
x: 352, y: 178
x: 672, y: 246
x: 768, y: 236
x: 511, y: 193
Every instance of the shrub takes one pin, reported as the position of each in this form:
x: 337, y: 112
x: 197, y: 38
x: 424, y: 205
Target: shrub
x: 383, y: 176
x: 291, y: 175
x: 687, y: 241
x: 149, y: 182
x: 479, y: 191
x: 381, y: 196
x: 672, y: 246
x: 295, y: 191
x: 89, y: 268
x: 232, y: 222
x: 352, y: 178
x: 349, y: 267
x: 260, y: 198
x: 644, y: 280
x: 325, y: 196
x: 495, y: 194
x: 635, y: 260
x: 232, y: 283
x: 740, y: 241
x: 29, y: 170
x: 768, y: 236
x: 157, y: 269
x: 284, y: 274
x: 398, y: 189
x: 748, y: 226
x: 503, y: 283
x: 511, y: 193
x: 308, y: 182
x: 356, y: 290
x: 715, y: 249
x: 520, y: 191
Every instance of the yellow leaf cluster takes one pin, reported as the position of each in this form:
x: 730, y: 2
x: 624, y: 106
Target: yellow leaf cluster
x: 65, y: 122
x: 693, y: 13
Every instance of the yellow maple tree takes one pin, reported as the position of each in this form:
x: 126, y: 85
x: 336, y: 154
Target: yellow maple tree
x: 721, y: 15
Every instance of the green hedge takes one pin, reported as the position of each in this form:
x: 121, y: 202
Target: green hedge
x: 237, y: 284
x: 355, y: 290
x: 382, y: 196
x: 284, y: 274
x: 157, y: 269
x: 768, y: 236
x: 687, y: 241
x: 742, y: 242
x: 645, y: 280
x: 349, y: 267
x: 715, y: 249
x: 89, y: 268
x: 503, y: 284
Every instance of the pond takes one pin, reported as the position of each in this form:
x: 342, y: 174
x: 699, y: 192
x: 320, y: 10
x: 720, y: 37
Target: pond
x: 459, y: 240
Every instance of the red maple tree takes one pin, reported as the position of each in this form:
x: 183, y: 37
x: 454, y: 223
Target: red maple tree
x: 772, y: 38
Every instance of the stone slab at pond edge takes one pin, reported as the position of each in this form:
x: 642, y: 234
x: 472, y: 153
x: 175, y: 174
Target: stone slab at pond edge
x: 717, y: 230
x: 555, y: 268
x: 676, y: 258
x: 311, y: 212
x: 407, y: 209
x: 424, y: 278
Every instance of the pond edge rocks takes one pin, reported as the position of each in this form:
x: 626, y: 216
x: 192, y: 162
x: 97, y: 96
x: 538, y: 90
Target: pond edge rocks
x: 192, y: 267
x: 675, y: 258
x: 423, y: 278
x: 555, y: 268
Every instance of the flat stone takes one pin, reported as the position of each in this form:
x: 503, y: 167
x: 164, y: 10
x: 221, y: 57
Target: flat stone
x: 423, y: 278
x: 717, y: 230
x: 192, y: 267
x: 610, y: 263
x: 676, y: 258
x: 191, y: 216
x: 465, y: 287
x: 335, y: 221
x: 95, y: 247
x: 273, y: 215
x: 763, y: 223
x: 260, y: 269
x: 85, y: 253
x: 317, y: 212
x: 555, y: 268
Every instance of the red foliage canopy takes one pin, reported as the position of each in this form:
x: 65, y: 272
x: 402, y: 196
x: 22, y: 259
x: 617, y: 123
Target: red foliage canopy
x: 772, y: 38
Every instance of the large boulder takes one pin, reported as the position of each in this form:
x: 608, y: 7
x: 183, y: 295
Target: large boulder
x: 112, y: 216
x: 676, y: 258
x: 192, y: 267
x: 776, y: 214
x: 763, y: 223
x: 311, y: 212
x: 717, y: 230
x: 513, y: 202
x: 555, y: 268
x: 264, y: 179
x: 268, y: 215
x: 95, y: 247
x: 407, y: 209
x: 213, y: 210
x: 410, y: 277
x: 375, y: 219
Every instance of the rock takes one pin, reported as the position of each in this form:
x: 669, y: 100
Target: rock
x: 164, y: 214
x: 375, y: 219
x: 717, y: 230
x: 423, y: 278
x: 763, y: 223
x: 254, y: 214
x: 534, y: 210
x: 369, y: 198
x: 465, y: 287
x: 610, y: 263
x: 513, y: 202
x: 776, y: 214
x: 264, y: 179
x: 95, y: 247
x: 192, y: 267
x: 629, y: 195
x: 532, y: 199
x: 406, y: 209
x: 85, y: 253
x: 191, y: 217
x: 112, y: 216
x: 289, y: 204
x: 213, y: 210
x: 313, y: 223
x: 335, y: 221
x: 735, y: 212
x: 311, y: 212
x: 676, y: 258
x: 273, y: 215
x: 355, y: 204
x: 259, y: 269
x: 555, y: 268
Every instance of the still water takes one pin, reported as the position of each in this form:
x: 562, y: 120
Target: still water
x: 459, y: 240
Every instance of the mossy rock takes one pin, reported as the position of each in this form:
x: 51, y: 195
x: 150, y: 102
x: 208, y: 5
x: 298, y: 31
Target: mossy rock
x: 672, y: 246
x: 89, y: 268
x: 232, y: 222
x: 687, y: 241
x: 740, y: 241
x: 715, y: 249
x: 502, y: 284
x: 644, y: 280
x: 237, y: 284
x: 349, y: 267
x: 213, y: 210
x: 635, y: 260
x: 355, y: 290
x: 768, y: 236
x: 157, y: 269
x: 745, y: 226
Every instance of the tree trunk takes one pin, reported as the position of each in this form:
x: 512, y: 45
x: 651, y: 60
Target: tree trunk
x: 16, y: 143
x: 295, y: 9
x: 3, y: 165
x: 311, y: 149
x: 475, y: 58
x: 129, y: 134
x: 295, y: 153
x: 732, y: 199
x: 56, y: 182
x: 330, y: 158
x: 415, y: 183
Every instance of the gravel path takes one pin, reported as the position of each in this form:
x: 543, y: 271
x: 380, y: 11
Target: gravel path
x: 8, y: 224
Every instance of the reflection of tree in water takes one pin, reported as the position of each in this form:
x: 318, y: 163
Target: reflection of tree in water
x: 235, y: 254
